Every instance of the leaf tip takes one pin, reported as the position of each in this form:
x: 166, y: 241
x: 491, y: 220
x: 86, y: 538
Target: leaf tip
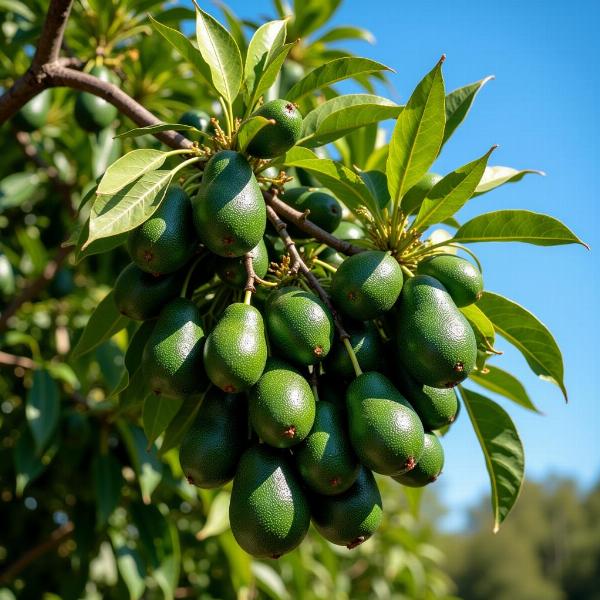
x: 442, y: 59
x: 496, y: 528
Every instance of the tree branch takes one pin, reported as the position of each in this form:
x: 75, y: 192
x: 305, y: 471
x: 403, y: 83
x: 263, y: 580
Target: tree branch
x: 53, y: 31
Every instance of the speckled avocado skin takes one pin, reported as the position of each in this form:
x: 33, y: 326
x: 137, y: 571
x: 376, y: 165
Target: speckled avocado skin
x: 325, y: 210
x: 367, y: 284
x: 172, y: 359
x: 460, y: 277
x: 429, y: 467
x: 282, y: 405
x: 350, y: 518
x: 299, y: 325
x: 141, y: 296
x: 386, y: 433
x: 325, y: 459
x: 231, y: 271
x: 436, y: 344
x: 229, y: 211
x: 167, y: 240
x: 235, y: 352
x: 211, y: 449
x: 268, y: 512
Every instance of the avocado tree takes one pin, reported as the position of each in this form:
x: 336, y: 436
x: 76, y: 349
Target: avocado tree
x: 259, y: 290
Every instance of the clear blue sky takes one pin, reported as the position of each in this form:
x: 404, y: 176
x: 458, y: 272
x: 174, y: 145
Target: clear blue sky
x: 542, y: 109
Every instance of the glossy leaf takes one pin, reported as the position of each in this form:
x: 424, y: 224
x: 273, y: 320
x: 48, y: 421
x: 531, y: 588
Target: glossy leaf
x: 157, y: 414
x: 104, y: 322
x: 221, y: 53
x: 503, y: 383
x: 502, y: 449
x: 108, y: 482
x: 451, y: 193
x: 376, y: 181
x: 43, y: 408
x: 152, y: 129
x: 481, y: 325
x: 531, y: 337
x: 346, y: 33
x: 217, y: 520
x: 269, y: 75
x: 180, y: 424
x: 235, y: 28
x: 494, y: 177
x: 249, y: 129
x: 516, y: 226
x: 332, y: 72
x: 417, y: 135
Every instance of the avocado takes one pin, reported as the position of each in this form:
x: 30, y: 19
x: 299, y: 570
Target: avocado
x: 93, y: 113
x: 436, y: 407
x: 386, y: 433
x: 278, y: 138
x: 268, y: 512
x: 34, y: 113
x: 231, y: 271
x: 459, y: 276
x: 429, y: 467
x: 195, y: 118
x: 367, y: 346
x: 325, y: 459
x: 282, y: 405
x: 332, y: 257
x: 167, y: 240
x: 235, y: 352
x: 348, y: 230
x: 412, y: 200
x: 435, y: 342
x: 367, y: 284
x: 140, y: 296
x: 229, y: 211
x: 212, y: 447
x: 350, y: 518
x: 325, y: 210
x: 299, y: 325
x: 172, y: 359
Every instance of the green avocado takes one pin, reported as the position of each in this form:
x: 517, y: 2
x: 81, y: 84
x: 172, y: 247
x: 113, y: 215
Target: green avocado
x: 459, y: 276
x: 212, y: 447
x: 235, y: 352
x: 435, y: 342
x: 414, y: 197
x: 429, y: 467
x: 195, y: 118
x: 299, y: 325
x: 347, y: 230
x: 282, y: 405
x: 141, y: 296
x: 231, y: 271
x: 268, y: 512
x: 34, y: 113
x: 367, y: 284
x: 172, y: 358
x: 331, y: 256
x: 167, y: 240
x: 325, y: 459
x: 229, y: 211
x: 325, y: 210
x: 367, y: 346
x: 278, y: 138
x: 350, y: 518
x: 386, y: 433
x: 93, y: 113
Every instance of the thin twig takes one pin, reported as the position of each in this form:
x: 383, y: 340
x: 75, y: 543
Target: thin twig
x: 250, y: 274
x: 17, y: 361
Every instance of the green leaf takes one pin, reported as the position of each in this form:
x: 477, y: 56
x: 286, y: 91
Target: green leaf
x: 221, y: 53
x: 157, y: 414
x: 43, y: 408
x: 217, y: 520
x: 130, y: 207
x: 17, y: 188
x: 152, y: 129
x: 417, y: 135
x: 249, y: 129
x: 130, y: 565
x: 376, y: 181
x: 128, y: 168
x: 108, y: 481
x: 494, y: 177
x: 263, y: 48
x: 28, y: 463
x: 104, y: 322
x: 332, y: 72
x: 235, y: 28
x: 516, y: 226
x: 522, y: 329
x: 268, y: 579
x: 481, y: 325
x: 97, y: 246
x: 18, y: 8
x: 502, y: 449
x: 503, y: 383
x: 180, y: 424
x: 269, y: 75
x: 451, y: 193
x: 346, y: 33
x: 458, y: 104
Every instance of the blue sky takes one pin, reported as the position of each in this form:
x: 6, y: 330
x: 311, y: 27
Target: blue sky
x: 542, y: 110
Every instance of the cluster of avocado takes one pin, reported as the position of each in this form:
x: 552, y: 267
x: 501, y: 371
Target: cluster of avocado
x: 296, y: 419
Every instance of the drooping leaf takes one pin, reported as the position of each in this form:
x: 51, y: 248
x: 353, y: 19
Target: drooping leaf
x: 130, y: 565
x: 332, y: 72
x: 217, y: 520
x: 249, y: 129
x: 180, y: 424
x: 221, y: 53
x: 157, y: 414
x: 524, y: 331
x: 502, y: 449
x: 152, y: 129
x: 108, y: 482
x: 104, y: 322
x: 494, y: 177
x: 451, y: 193
x: 417, y: 135
x: 43, y: 408
x: 503, y: 383
x: 516, y: 226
